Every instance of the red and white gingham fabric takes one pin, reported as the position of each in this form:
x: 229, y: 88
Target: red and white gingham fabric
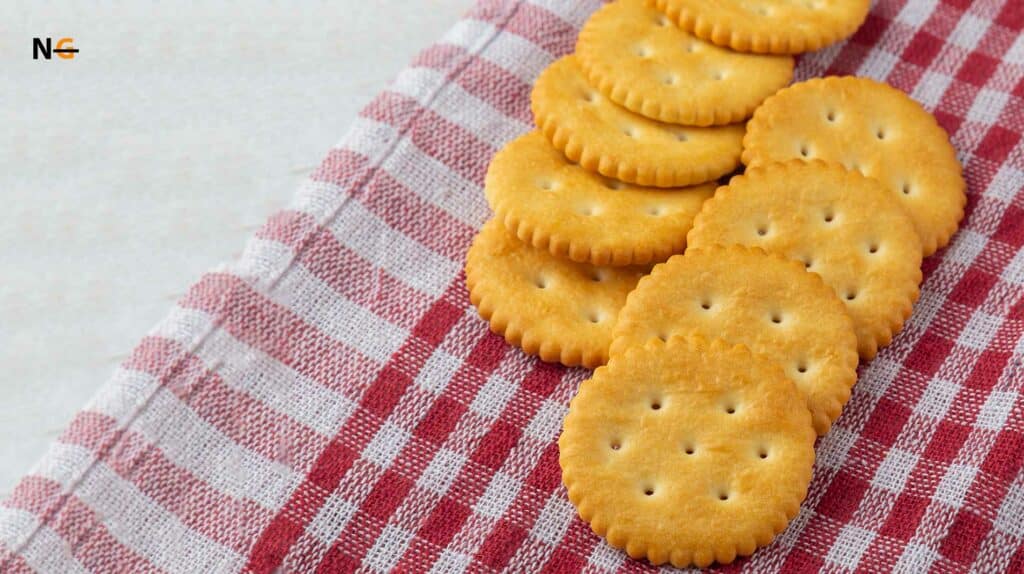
x: 331, y: 402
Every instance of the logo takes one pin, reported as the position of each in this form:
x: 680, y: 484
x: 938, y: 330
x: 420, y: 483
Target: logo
x: 65, y: 49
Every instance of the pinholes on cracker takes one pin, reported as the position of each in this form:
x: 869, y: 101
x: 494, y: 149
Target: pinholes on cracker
x: 555, y: 308
x: 746, y: 296
x: 687, y: 451
x: 874, y: 128
x: 640, y: 60
x: 556, y: 205
x: 604, y: 137
x: 768, y: 26
x: 843, y: 226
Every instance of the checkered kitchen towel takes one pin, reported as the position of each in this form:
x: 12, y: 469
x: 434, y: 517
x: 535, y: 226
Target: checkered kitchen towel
x: 331, y: 402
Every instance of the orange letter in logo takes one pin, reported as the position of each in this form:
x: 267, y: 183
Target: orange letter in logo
x: 65, y: 49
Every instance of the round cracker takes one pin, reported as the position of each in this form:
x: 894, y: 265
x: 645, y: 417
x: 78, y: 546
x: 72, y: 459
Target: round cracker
x: 557, y: 309
x: 843, y: 226
x: 876, y: 129
x: 640, y: 60
x: 602, y: 136
x: 768, y: 26
x: 687, y: 451
x: 556, y: 205
x: 764, y: 301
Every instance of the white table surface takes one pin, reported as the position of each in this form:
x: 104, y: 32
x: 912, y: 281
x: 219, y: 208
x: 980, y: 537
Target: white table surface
x: 149, y: 158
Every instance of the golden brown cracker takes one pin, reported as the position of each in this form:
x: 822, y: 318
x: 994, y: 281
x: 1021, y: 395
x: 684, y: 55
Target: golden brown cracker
x: 768, y: 26
x: 556, y: 205
x: 602, y: 136
x: 638, y: 59
x: 843, y: 226
x: 687, y: 451
x: 746, y: 296
x: 557, y: 309
x: 874, y: 128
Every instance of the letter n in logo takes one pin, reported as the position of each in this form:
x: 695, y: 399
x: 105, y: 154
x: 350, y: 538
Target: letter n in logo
x: 38, y: 47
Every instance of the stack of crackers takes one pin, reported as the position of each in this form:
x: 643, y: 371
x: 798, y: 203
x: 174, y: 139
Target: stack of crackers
x: 730, y: 319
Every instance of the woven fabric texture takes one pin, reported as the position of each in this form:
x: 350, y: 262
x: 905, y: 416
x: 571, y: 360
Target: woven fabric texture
x: 331, y: 402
